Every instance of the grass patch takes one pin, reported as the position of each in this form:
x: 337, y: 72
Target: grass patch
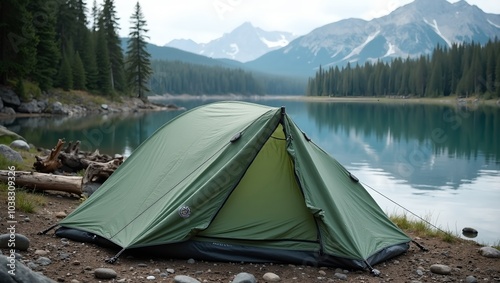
x: 25, y: 201
x: 422, y: 227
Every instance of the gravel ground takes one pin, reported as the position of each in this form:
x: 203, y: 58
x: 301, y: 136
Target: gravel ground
x: 76, y: 262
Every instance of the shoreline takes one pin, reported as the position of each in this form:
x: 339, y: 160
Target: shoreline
x: 451, y: 100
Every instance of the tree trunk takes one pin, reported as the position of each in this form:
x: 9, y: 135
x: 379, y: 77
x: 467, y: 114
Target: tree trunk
x: 42, y: 181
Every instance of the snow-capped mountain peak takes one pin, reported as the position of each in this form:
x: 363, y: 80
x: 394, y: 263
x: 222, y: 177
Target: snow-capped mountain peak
x: 244, y: 43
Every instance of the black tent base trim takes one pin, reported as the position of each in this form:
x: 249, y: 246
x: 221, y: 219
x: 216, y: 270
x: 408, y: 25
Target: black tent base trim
x: 223, y: 252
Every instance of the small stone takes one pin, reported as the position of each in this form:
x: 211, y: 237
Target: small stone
x: 170, y: 270
x: 27, y: 219
x: 22, y: 242
x: 340, y: 276
x: 191, y: 261
x: 244, y: 277
x: 440, y: 269
x: 271, y: 277
x: 41, y: 252
x: 33, y: 266
x: 420, y: 272
x: 322, y: 272
x: 43, y: 261
x: 76, y: 262
x: 151, y: 277
x: 74, y: 281
x: 489, y: 252
x: 185, y: 279
x: 61, y: 214
x: 105, y: 273
x: 142, y: 265
x: 157, y: 271
x: 470, y: 279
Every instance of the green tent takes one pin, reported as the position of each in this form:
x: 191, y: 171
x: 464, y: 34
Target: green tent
x: 235, y: 181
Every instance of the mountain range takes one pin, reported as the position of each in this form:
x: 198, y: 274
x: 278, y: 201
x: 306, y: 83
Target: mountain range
x: 410, y: 31
x: 245, y: 43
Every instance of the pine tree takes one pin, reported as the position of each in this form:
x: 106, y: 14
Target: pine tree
x: 108, y: 22
x: 138, y: 64
x: 47, y: 51
x: 17, y: 40
x: 79, y: 80
x: 89, y: 63
x: 103, y: 63
x: 65, y: 74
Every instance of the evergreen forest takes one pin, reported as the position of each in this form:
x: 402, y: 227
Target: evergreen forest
x: 462, y: 70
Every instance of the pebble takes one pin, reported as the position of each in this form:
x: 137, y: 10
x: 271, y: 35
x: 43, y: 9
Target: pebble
x: 440, y: 269
x: 271, y: 277
x: 340, y: 276
x: 105, y: 273
x: 470, y: 279
x: 191, y: 261
x: 142, y: 265
x: 185, y: 279
x: 150, y: 277
x: 22, y: 242
x: 322, y: 272
x: 60, y: 214
x: 170, y: 270
x: 41, y: 252
x: 43, y: 261
x: 489, y: 252
x: 244, y: 277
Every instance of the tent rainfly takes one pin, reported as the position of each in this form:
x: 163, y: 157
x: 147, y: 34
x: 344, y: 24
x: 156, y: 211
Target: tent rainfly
x: 236, y: 181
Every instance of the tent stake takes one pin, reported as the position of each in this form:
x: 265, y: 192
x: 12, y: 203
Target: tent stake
x: 47, y: 230
x: 373, y: 271
x: 115, y: 258
x: 420, y: 246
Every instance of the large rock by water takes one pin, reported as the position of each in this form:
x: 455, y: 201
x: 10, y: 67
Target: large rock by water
x: 7, y: 135
x: 20, y: 273
x: 10, y: 154
x: 29, y: 107
x: 9, y: 97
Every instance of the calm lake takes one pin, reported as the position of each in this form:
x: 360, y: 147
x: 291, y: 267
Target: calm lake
x: 439, y: 162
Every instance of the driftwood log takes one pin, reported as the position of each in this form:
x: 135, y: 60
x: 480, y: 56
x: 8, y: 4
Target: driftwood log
x: 98, y: 167
x: 50, y: 163
x: 71, y: 159
x: 43, y: 181
x: 94, y: 176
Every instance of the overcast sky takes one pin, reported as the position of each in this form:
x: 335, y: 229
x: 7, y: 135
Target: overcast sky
x: 204, y: 20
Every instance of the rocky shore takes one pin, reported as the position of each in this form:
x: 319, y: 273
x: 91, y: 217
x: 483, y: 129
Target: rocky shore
x: 71, y: 104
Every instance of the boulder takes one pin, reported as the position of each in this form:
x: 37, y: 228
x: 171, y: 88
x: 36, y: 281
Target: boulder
x: 9, y: 111
x: 20, y: 144
x: 7, y: 135
x: 10, y: 154
x: 9, y: 97
x: 56, y: 108
x: 21, y: 273
x: 29, y: 107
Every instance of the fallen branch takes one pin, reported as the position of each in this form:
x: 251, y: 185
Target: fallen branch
x: 42, y: 181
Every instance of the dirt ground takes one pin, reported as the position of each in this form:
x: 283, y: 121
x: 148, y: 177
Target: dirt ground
x: 75, y: 262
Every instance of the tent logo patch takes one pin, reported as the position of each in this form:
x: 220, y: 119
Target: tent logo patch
x: 184, y: 211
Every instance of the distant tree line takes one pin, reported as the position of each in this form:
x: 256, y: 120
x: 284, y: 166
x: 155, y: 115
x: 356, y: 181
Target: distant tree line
x: 462, y: 69
x: 175, y: 77
x: 50, y: 44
